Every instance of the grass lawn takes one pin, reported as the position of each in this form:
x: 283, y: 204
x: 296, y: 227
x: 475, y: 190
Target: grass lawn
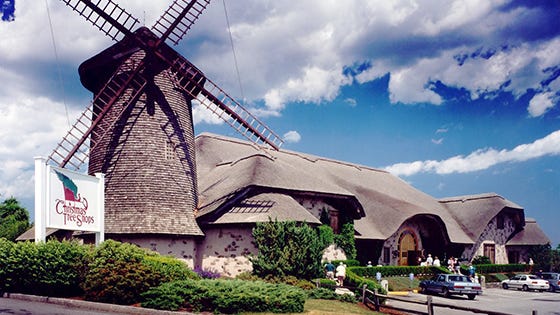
x: 328, y: 307
x: 402, y: 283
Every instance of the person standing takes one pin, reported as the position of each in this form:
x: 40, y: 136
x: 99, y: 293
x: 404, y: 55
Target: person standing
x: 437, y: 263
x: 329, y: 270
x: 340, y: 273
x: 429, y: 260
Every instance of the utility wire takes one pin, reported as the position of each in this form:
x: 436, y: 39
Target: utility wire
x: 233, y: 50
x: 60, y: 81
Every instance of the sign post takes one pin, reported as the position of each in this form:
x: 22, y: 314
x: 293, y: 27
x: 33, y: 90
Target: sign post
x: 68, y: 200
x: 40, y: 198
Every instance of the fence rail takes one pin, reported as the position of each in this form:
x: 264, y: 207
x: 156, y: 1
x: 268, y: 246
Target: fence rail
x: 372, y: 299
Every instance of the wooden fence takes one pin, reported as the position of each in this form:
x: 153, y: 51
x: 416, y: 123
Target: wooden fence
x: 373, y: 300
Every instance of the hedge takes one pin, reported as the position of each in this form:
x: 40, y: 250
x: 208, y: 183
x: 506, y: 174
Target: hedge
x: 389, y: 271
x: 52, y: 268
x: 225, y: 296
x: 496, y: 268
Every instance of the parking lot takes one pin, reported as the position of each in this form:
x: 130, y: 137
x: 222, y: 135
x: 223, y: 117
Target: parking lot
x: 493, y: 299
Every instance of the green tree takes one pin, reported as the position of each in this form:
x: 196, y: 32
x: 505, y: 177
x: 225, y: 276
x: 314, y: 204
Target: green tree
x: 542, y: 256
x: 287, y: 249
x: 346, y: 240
x: 14, y: 219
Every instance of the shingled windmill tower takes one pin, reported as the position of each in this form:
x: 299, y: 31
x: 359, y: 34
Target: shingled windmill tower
x: 138, y: 130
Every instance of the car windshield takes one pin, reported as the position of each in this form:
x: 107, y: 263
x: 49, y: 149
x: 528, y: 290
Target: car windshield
x: 532, y: 277
x: 458, y: 278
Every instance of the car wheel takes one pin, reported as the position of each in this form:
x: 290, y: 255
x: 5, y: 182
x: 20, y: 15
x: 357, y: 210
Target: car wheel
x: 445, y: 292
x: 525, y: 288
x: 471, y: 296
x: 505, y: 286
x: 423, y: 290
x: 552, y: 289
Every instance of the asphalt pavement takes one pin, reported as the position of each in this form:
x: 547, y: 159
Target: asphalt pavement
x: 23, y: 304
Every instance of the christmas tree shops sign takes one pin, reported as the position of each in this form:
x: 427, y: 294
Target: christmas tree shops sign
x: 67, y: 200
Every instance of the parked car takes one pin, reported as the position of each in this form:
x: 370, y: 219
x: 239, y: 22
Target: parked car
x: 451, y: 284
x: 553, y: 279
x: 525, y: 283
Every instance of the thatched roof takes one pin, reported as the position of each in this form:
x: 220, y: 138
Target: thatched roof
x: 474, y: 212
x: 29, y: 235
x: 530, y: 235
x: 263, y: 207
x: 228, y: 167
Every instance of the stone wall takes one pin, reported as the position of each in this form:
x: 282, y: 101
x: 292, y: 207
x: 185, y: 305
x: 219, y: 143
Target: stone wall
x: 493, y: 235
x: 183, y: 248
x: 393, y: 242
x: 225, y: 250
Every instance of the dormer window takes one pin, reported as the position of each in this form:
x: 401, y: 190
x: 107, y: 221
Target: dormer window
x: 500, y: 221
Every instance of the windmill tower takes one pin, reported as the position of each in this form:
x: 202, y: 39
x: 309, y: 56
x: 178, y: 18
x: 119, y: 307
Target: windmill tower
x: 138, y: 130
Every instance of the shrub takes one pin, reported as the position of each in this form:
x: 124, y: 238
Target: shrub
x: 481, y: 260
x: 6, y: 265
x: 169, y: 268
x: 327, y: 283
x: 53, y: 268
x: 345, y: 240
x: 206, y: 274
x: 326, y: 236
x: 358, y: 281
x: 63, y: 268
x: 286, y: 249
x: 226, y: 296
x: 168, y: 296
x: 495, y: 268
x: 118, y: 275
x: 322, y: 293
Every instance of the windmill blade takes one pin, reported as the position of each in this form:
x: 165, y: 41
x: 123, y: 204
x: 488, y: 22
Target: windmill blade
x: 73, y: 150
x: 106, y: 15
x: 192, y: 81
x: 178, y: 19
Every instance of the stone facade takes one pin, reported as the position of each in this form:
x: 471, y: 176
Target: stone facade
x: 182, y: 247
x: 225, y: 250
x: 492, y: 241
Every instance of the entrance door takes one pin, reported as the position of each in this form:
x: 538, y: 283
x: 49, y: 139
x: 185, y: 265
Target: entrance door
x: 406, y: 245
x: 490, y: 252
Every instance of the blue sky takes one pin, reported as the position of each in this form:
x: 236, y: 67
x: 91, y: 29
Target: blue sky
x: 454, y: 97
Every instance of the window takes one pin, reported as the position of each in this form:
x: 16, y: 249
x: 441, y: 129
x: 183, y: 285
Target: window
x: 500, y: 221
x: 513, y: 257
x: 386, y: 255
x: 169, y: 150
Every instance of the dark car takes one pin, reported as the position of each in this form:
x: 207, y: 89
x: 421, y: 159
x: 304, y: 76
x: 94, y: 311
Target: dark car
x: 553, y: 280
x: 451, y: 284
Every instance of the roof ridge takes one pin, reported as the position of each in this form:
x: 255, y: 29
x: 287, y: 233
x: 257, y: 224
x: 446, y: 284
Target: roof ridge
x: 464, y: 198
x: 306, y: 156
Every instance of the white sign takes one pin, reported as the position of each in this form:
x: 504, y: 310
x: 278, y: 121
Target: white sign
x: 72, y: 201
x: 68, y: 200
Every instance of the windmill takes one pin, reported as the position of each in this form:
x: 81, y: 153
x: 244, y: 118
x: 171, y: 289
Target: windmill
x: 138, y: 129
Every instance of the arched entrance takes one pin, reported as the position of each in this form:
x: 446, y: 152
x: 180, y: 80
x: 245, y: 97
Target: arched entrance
x: 408, y: 249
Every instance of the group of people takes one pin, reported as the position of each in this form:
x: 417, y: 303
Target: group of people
x: 430, y: 261
x: 338, y: 271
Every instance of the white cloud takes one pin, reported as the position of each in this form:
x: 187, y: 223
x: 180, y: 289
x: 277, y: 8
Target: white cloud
x: 437, y: 141
x: 540, y: 103
x: 351, y: 102
x: 315, y: 85
x: 481, y: 159
x: 30, y: 127
x: 201, y: 114
x: 292, y: 136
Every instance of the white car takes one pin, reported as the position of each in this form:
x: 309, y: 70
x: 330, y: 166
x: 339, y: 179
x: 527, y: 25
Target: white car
x: 525, y: 283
